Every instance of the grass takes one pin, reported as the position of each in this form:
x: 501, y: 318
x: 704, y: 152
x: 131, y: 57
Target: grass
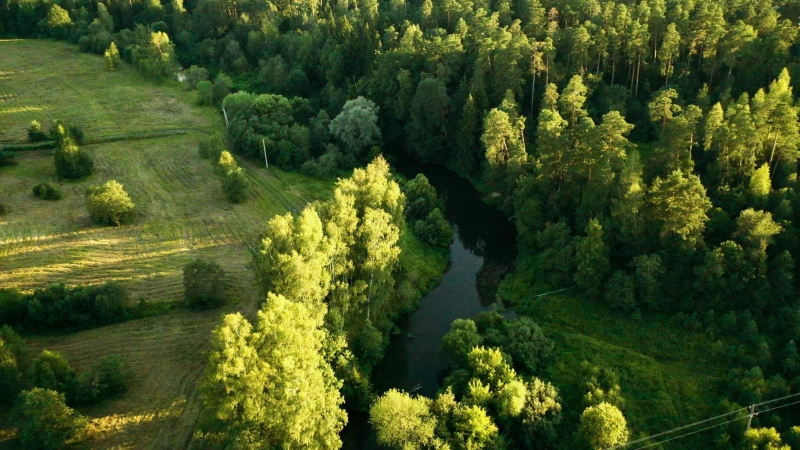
x: 182, y: 214
x: 668, y: 376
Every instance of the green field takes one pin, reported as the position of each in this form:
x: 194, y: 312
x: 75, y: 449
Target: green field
x: 182, y: 214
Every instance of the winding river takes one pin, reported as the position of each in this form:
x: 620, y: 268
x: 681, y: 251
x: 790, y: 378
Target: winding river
x: 482, y: 252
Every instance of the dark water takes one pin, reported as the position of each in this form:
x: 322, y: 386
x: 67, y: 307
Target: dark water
x: 481, y: 254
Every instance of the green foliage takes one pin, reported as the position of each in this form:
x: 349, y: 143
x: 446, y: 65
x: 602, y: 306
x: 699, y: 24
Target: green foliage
x: 204, y: 284
x: 402, y: 422
x: 603, y: 426
x: 268, y: 122
x: 421, y: 198
x: 434, y: 229
x: 211, y: 148
x: 270, y: 383
x: 109, y: 204
x: 58, y: 22
x: 112, y: 57
x: 763, y: 439
x: 619, y: 290
x: 44, y: 421
x: 47, y: 191
x: 70, y: 161
x: 222, y: 87
x: 195, y: 75
x: 61, y: 308
x: 205, y: 93
x: 52, y: 371
x: 13, y: 355
x: 154, y: 54
x: 7, y: 158
x: 109, y: 376
x: 356, y: 126
x: 35, y: 133
x: 461, y: 339
x: 591, y: 257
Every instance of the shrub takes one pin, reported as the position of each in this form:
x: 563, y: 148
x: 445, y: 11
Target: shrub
x: 434, y: 229
x: 235, y: 185
x: 47, y: 191
x: 10, y: 371
x: 81, y: 307
x: 3, y: 209
x: 204, y: 284
x: 110, y: 376
x: 226, y: 162
x: 620, y: 291
x: 195, y: 75
x: 51, y: 370
x: 326, y: 166
x: 421, y: 198
x: 221, y: 88
x: 109, y: 204
x: 205, y: 93
x: 45, y: 422
x: 35, y: 133
x: 70, y: 161
x: 211, y: 148
x: 7, y: 158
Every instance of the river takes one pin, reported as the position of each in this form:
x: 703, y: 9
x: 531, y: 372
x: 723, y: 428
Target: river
x: 482, y: 252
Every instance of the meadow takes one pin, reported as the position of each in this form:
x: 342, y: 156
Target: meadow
x: 181, y: 214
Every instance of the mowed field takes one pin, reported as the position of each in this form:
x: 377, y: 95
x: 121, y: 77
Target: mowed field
x: 182, y: 214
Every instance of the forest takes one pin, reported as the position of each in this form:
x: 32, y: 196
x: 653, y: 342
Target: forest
x: 646, y: 152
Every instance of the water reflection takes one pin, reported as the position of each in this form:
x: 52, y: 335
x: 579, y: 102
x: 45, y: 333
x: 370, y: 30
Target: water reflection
x: 481, y: 254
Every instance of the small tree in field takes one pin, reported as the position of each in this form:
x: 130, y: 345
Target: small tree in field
x: 45, y: 422
x: 235, y: 185
x: 112, y: 57
x: 204, y: 284
x: 109, y: 204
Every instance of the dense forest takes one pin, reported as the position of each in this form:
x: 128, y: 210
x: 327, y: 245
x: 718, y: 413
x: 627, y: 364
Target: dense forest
x: 646, y: 151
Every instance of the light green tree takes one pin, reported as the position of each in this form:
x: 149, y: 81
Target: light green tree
x: 270, y: 382
x: 112, y: 57
x: 678, y: 206
x: 109, y: 204
x: 603, y: 426
x: 402, y: 422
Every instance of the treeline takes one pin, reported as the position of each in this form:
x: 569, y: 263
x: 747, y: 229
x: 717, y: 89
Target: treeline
x: 62, y: 308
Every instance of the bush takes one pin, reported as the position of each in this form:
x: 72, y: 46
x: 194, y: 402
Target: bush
x: 226, y: 162
x: 51, y: 370
x: 35, y: 133
x: 59, y: 307
x: 7, y: 158
x: 195, y: 75
x: 421, y: 198
x: 619, y: 292
x: 220, y: 89
x: 45, y: 422
x: 110, y: 376
x: 3, y: 209
x: 235, y: 185
x: 12, y: 353
x: 204, y: 284
x: 205, y: 93
x: 434, y: 229
x: 211, y: 148
x: 70, y: 161
x: 47, y: 191
x: 109, y: 204
x: 326, y: 166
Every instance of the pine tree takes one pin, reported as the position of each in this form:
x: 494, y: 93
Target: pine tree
x: 591, y: 256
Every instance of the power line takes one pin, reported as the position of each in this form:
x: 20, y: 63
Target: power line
x: 693, y: 432
x: 705, y: 421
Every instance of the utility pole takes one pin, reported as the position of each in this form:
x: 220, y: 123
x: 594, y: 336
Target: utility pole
x: 750, y: 416
x: 264, y: 146
x: 226, y: 117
